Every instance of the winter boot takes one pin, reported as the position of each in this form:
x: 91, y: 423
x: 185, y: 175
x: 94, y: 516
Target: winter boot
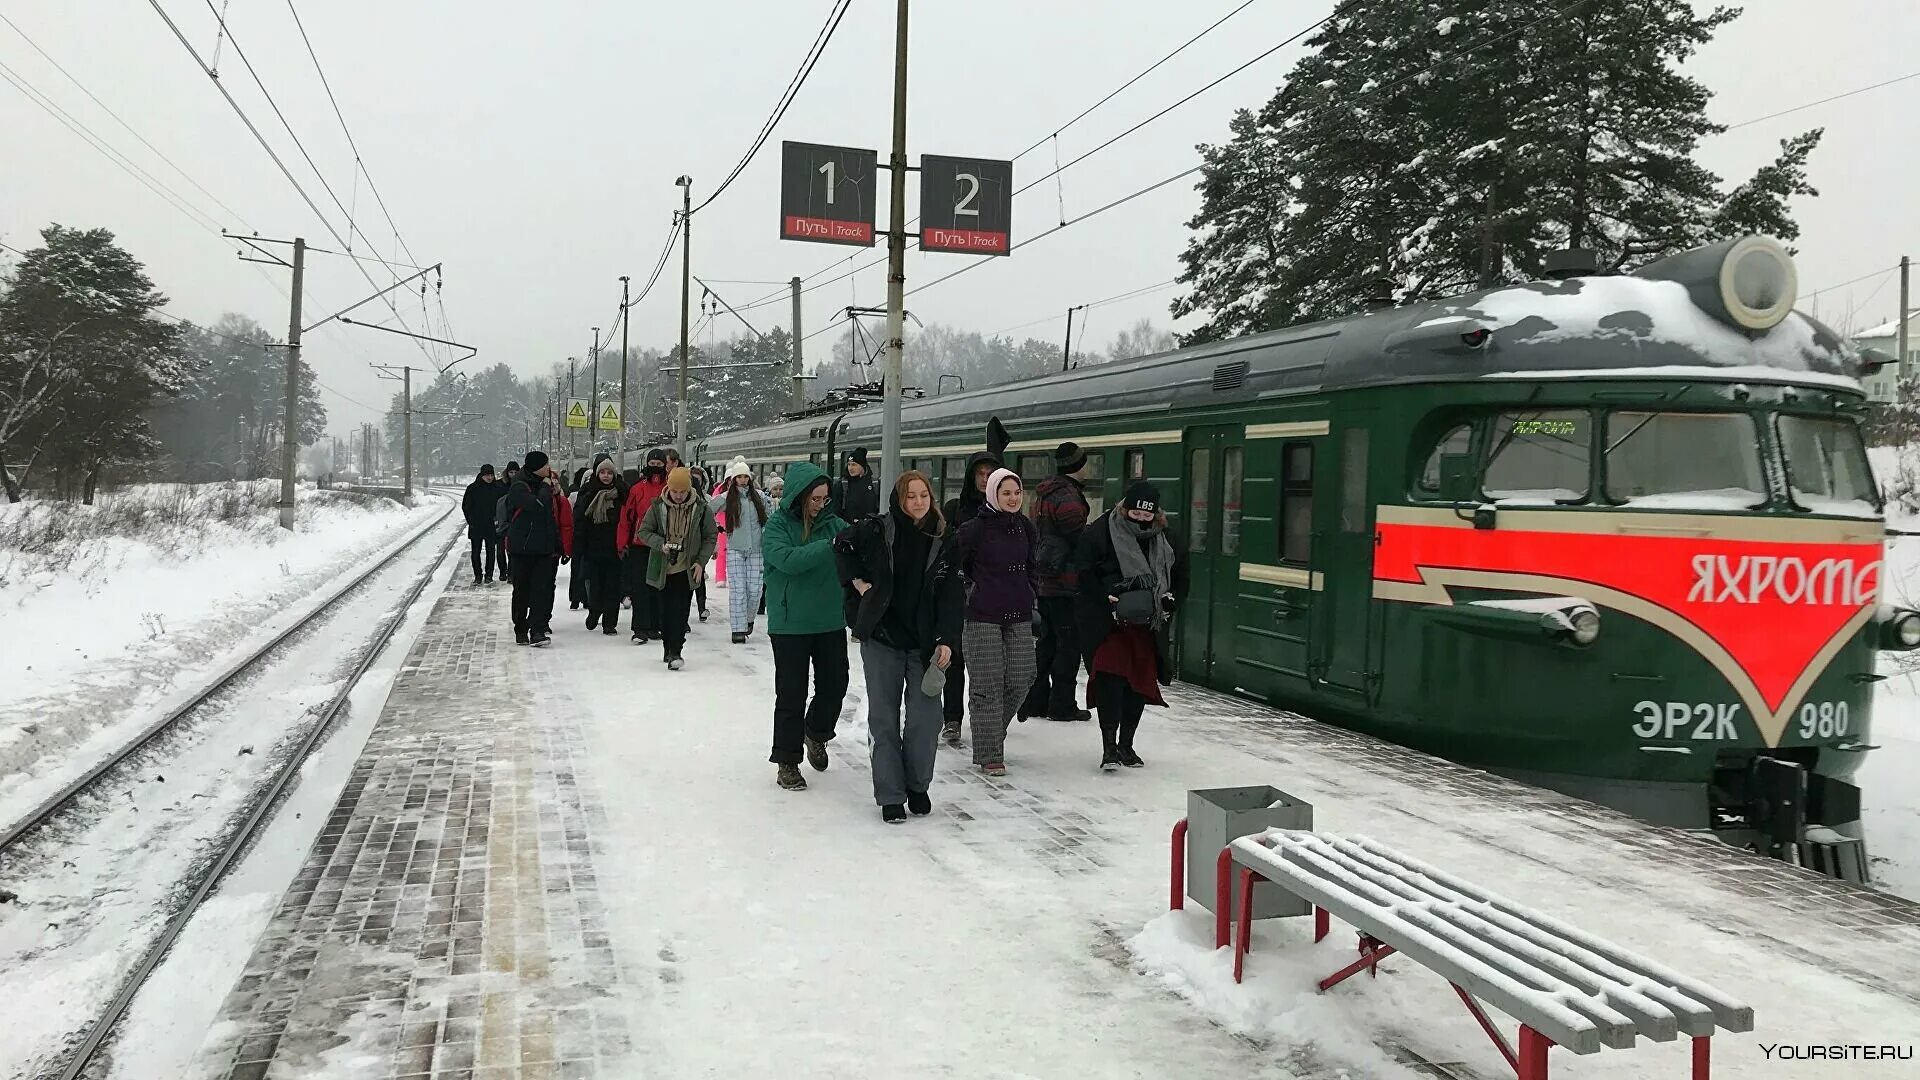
x: 639, y: 637
x: 539, y: 639
x: 950, y: 732
x: 739, y: 639
x: 674, y: 663
x: 816, y: 754
x: 593, y: 620
x: 789, y: 777
x: 919, y: 804
x: 519, y: 637
x: 609, y: 629
x: 1109, y: 746
x: 1127, y: 757
x: 893, y: 813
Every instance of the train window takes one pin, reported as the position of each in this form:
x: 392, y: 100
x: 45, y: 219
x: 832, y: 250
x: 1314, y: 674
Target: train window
x: 1094, y: 483
x: 1136, y: 464
x: 925, y: 466
x: 1296, y: 502
x: 1033, y: 469
x: 1539, y: 456
x: 1677, y: 460
x: 1827, y: 466
x: 1199, y: 476
x: 1458, y: 441
x: 953, y: 478
x: 1231, y: 467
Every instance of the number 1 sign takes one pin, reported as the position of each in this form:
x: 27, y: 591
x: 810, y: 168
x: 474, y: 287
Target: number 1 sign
x: 827, y: 193
x: 966, y: 205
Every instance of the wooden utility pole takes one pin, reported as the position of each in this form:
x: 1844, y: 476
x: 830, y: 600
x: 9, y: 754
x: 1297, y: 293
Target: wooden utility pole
x: 290, y: 427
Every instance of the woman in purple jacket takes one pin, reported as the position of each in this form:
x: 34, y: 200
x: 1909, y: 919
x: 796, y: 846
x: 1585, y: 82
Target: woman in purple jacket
x: 996, y: 555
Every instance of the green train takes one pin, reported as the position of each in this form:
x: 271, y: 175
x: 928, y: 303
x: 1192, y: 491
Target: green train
x: 1614, y: 535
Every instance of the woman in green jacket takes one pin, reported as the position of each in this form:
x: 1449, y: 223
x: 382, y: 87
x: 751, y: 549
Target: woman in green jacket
x: 805, y: 622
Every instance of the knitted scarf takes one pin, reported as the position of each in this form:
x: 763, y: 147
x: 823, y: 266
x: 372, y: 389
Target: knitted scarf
x: 1155, y: 565
x: 679, y: 524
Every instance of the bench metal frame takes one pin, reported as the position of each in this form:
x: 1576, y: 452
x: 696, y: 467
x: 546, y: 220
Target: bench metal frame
x: 1566, y: 987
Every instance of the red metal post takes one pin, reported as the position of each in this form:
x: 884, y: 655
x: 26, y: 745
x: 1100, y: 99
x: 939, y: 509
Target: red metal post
x: 1320, y: 923
x: 1177, y: 897
x: 1702, y: 1067
x: 1223, y: 898
x: 1371, y: 953
x: 1244, y: 943
x: 1486, y: 1025
x: 1533, y: 1054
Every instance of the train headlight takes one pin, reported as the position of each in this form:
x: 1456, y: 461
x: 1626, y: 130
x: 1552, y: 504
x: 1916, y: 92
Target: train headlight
x: 1904, y: 631
x: 1586, y: 626
x: 1758, y: 284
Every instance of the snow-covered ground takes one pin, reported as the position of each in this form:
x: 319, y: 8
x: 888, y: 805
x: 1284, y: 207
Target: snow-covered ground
x: 106, y: 612
x: 92, y: 897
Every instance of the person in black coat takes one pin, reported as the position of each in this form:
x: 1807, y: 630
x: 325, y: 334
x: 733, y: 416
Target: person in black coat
x: 1131, y: 567
x: 507, y: 476
x: 596, y: 524
x: 482, y: 497
x: 577, y: 579
x: 904, y: 604
x: 960, y: 510
x: 858, y: 494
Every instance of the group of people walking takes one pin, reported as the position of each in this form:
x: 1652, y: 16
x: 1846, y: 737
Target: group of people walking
x: 972, y: 611
x: 940, y: 599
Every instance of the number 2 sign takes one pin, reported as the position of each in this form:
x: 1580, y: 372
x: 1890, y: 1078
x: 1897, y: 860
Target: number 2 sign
x: 827, y: 194
x: 966, y: 205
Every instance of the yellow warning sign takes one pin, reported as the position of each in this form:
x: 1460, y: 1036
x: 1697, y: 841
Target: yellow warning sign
x: 577, y: 412
x: 610, y: 416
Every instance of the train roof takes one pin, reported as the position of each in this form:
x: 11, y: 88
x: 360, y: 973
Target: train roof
x: 1580, y: 327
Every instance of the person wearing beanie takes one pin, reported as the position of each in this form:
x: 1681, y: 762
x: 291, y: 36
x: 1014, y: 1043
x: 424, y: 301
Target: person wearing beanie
x: 806, y: 623
x: 743, y: 510
x: 679, y: 535
x: 996, y: 555
x: 857, y: 496
x: 958, y: 511
x: 478, y: 504
x: 633, y: 548
x: 1059, y: 516
x: 596, y: 515
x: 539, y: 534
x: 1133, y: 575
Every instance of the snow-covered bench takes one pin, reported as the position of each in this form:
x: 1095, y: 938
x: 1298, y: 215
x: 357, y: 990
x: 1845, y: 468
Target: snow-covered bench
x: 1565, y: 987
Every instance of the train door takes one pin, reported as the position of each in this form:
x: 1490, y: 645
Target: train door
x: 1215, y: 465
x: 1344, y: 537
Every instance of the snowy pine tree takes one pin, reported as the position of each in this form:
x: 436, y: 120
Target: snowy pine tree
x: 1432, y: 146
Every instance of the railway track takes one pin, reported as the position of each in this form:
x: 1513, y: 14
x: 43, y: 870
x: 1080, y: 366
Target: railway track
x: 207, y: 872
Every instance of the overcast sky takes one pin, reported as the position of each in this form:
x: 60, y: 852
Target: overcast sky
x: 532, y: 147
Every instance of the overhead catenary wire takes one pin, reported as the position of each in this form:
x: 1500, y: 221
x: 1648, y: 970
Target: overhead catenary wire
x: 179, y: 202
x: 1090, y: 305
x: 787, y: 97
x: 57, y: 66
x: 261, y: 138
x: 1823, y: 101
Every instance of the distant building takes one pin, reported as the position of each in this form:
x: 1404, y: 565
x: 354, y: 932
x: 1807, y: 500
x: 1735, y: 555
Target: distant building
x: 1881, y: 384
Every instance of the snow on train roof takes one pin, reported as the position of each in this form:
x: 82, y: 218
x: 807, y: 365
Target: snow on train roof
x: 1578, y: 328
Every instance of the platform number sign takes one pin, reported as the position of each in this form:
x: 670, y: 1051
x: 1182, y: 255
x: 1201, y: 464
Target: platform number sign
x: 827, y: 193
x: 966, y: 205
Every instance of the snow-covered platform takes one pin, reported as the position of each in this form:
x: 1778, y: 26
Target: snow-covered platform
x: 572, y: 862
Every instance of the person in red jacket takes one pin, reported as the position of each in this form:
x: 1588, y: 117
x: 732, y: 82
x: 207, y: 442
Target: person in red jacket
x: 633, y: 550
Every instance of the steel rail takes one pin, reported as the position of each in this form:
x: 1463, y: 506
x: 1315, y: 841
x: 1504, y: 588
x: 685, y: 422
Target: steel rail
x: 43, y: 813
x: 257, y: 818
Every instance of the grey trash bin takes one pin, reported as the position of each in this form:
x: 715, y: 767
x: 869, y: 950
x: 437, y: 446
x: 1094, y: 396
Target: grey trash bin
x: 1218, y: 816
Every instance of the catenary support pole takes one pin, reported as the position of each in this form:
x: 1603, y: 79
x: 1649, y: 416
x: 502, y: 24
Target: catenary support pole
x: 799, y: 400
x: 570, y: 438
x: 686, y: 286
x: 593, y: 403
x: 406, y: 416
x: 620, y: 440
x: 290, y: 425
x: 1901, y: 332
x: 1066, y: 347
x: 896, y: 263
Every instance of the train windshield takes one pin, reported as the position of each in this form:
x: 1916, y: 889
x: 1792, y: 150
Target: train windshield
x: 1539, y: 456
x: 1827, y: 469
x: 1684, y: 461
